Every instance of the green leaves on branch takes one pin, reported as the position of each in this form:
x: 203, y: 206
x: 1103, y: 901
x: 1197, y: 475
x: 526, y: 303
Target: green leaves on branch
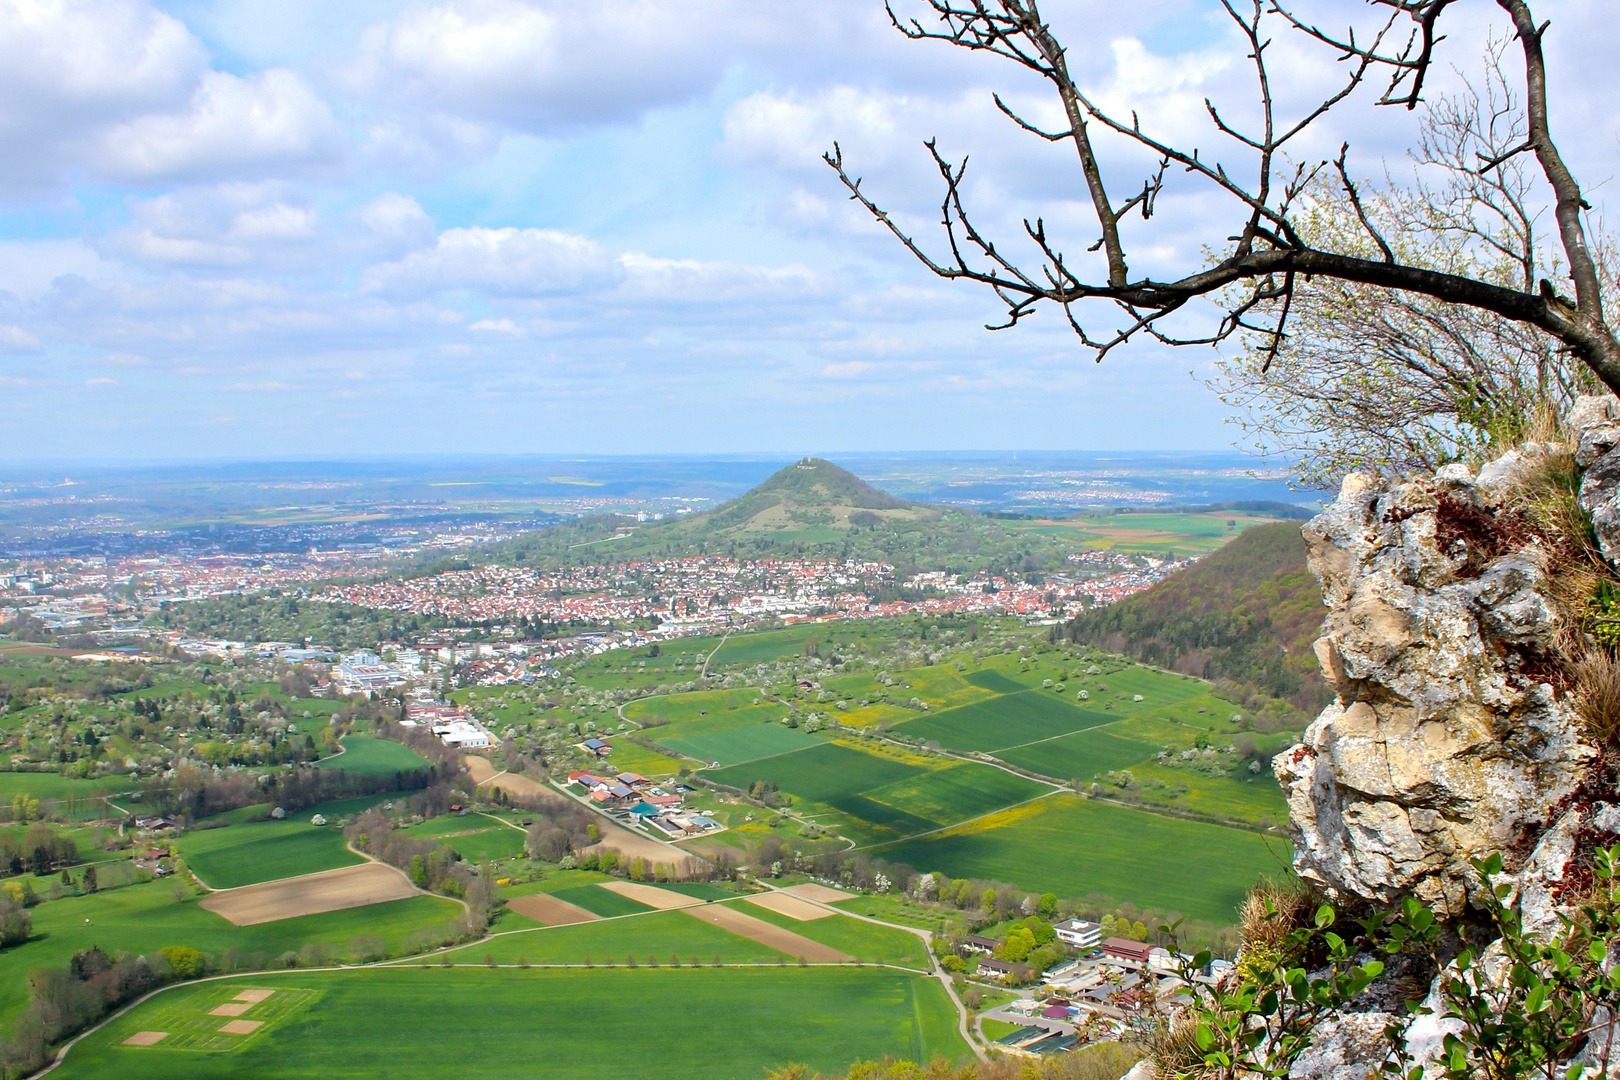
x: 1522, y: 1004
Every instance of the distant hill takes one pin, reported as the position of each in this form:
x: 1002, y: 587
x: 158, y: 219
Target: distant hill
x: 809, y: 509
x: 1249, y: 612
x: 809, y: 494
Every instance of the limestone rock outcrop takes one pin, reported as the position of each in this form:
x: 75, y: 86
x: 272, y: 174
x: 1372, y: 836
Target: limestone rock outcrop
x: 1446, y: 740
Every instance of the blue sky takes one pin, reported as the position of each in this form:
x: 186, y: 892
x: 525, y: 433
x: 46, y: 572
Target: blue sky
x: 241, y: 229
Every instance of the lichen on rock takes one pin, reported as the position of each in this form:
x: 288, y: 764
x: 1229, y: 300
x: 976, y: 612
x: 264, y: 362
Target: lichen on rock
x: 1448, y: 739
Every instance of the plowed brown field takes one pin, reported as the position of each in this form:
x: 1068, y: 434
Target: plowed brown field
x: 310, y: 894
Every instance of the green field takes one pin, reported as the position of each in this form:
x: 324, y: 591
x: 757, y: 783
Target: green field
x: 1248, y: 799
x: 600, y: 901
x: 741, y: 744
x: 55, y: 786
x: 994, y: 681
x: 837, y: 777
x: 366, y: 756
x: 877, y: 798
x: 957, y: 793
x: 189, y: 1024
x: 145, y: 918
x: 1078, y: 847
x: 734, y: 1023
x: 1007, y: 720
x: 474, y: 837
x: 678, y: 716
x: 701, y: 890
x: 630, y: 757
x: 248, y: 852
x: 556, y: 881
x: 1082, y: 755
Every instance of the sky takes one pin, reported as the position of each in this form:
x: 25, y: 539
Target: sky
x: 235, y: 229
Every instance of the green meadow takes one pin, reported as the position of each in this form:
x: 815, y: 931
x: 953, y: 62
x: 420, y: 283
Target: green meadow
x: 1005, y: 720
x: 1247, y: 799
x: 54, y: 786
x: 1081, y: 756
x: 729, y: 1023
x: 1079, y: 847
x: 879, y: 797
x: 957, y: 792
x: 367, y: 756
x: 631, y: 757
x: 739, y: 744
x: 247, y: 852
x: 474, y: 837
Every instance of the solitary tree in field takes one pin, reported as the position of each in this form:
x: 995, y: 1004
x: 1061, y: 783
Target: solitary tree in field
x: 1272, y: 249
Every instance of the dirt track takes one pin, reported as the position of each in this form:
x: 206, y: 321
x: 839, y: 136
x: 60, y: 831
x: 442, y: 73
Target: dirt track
x: 544, y: 908
x: 310, y: 894
x: 729, y: 918
x: 484, y: 772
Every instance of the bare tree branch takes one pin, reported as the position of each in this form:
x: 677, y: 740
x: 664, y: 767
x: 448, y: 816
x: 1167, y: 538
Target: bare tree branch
x: 1268, y: 258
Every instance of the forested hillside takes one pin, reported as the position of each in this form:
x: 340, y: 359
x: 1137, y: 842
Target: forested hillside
x: 1249, y: 613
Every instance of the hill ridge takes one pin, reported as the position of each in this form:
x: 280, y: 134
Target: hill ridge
x: 1249, y: 612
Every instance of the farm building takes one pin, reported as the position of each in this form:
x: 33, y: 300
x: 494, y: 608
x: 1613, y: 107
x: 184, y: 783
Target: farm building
x: 1135, y: 952
x: 976, y: 943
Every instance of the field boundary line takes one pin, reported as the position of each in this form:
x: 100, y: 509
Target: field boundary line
x: 1064, y: 735
x: 503, y: 821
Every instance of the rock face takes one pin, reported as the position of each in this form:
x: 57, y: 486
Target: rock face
x: 1444, y: 742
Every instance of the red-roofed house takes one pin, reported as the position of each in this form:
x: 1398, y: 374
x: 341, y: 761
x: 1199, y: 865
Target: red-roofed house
x: 1135, y: 952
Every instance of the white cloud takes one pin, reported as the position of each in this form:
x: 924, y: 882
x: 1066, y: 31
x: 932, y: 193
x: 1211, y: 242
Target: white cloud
x: 267, y: 123
x: 260, y: 387
x: 397, y: 218
x: 70, y: 68
x: 695, y: 281
x: 123, y: 92
x: 846, y: 369
x: 14, y: 339
x: 224, y: 225
x: 504, y: 262
x: 499, y: 326
x: 542, y: 65
x: 791, y: 131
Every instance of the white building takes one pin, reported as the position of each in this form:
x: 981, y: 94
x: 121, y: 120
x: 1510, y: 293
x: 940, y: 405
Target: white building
x: 1079, y: 934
